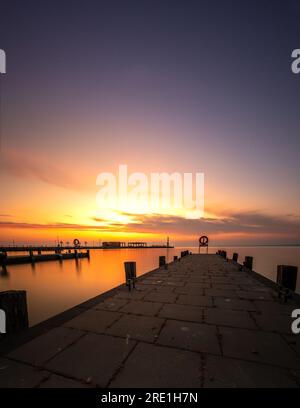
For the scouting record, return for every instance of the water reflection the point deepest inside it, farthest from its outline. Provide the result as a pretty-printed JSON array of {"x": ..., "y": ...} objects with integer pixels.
[{"x": 4, "y": 272}]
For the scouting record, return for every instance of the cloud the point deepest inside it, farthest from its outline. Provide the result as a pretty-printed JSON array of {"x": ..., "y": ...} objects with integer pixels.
[
  {"x": 56, "y": 226},
  {"x": 20, "y": 164},
  {"x": 235, "y": 222},
  {"x": 254, "y": 224}
]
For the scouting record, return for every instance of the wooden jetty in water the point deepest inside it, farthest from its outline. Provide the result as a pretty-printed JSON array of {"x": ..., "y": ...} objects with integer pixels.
[
  {"x": 39, "y": 257},
  {"x": 105, "y": 245},
  {"x": 200, "y": 321}
]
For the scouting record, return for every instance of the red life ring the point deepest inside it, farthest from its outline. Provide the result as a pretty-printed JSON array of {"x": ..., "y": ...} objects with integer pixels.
[
  {"x": 203, "y": 241},
  {"x": 76, "y": 242}
]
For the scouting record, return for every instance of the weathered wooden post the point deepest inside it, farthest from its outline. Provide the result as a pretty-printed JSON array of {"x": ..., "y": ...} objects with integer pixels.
[
  {"x": 175, "y": 258},
  {"x": 287, "y": 276},
  {"x": 3, "y": 258},
  {"x": 32, "y": 258},
  {"x": 248, "y": 262},
  {"x": 162, "y": 261},
  {"x": 235, "y": 257},
  {"x": 76, "y": 253},
  {"x": 130, "y": 274},
  {"x": 88, "y": 253},
  {"x": 14, "y": 305}
]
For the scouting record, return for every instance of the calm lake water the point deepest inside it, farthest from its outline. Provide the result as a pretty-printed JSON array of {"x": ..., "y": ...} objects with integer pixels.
[{"x": 54, "y": 286}]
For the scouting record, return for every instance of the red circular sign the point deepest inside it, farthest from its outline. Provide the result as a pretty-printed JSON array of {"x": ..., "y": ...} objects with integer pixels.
[{"x": 203, "y": 241}]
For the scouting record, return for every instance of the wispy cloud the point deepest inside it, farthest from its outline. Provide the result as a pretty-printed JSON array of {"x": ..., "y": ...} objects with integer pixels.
[
  {"x": 22, "y": 165},
  {"x": 248, "y": 223},
  {"x": 235, "y": 222},
  {"x": 55, "y": 226}
]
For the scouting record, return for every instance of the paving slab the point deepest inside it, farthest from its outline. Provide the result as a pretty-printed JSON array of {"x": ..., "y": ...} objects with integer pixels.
[
  {"x": 131, "y": 295},
  {"x": 294, "y": 341},
  {"x": 278, "y": 323},
  {"x": 163, "y": 297},
  {"x": 190, "y": 336},
  {"x": 57, "y": 381},
  {"x": 274, "y": 308},
  {"x": 182, "y": 312},
  {"x": 42, "y": 348},
  {"x": 93, "y": 320},
  {"x": 232, "y": 318},
  {"x": 140, "y": 307},
  {"x": 163, "y": 289},
  {"x": 221, "y": 293},
  {"x": 112, "y": 303},
  {"x": 234, "y": 304},
  {"x": 255, "y": 295},
  {"x": 94, "y": 358},
  {"x": 155, "y": 366},
  {"x": 17, "y": 375},
  {"x": 195, "y": 300},
  {"x": 224, "y": 373},
  {"x": 191, "y": 290},
  {"x": 258, "y": 346},
  {"x": 144, "y": 328}
]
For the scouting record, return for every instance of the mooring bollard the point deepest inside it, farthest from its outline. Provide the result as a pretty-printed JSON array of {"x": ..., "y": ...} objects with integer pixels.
[
  {"x": 248, "y": 262},
  {"x": 235, "y": 257},
  {"x": 287, "y": 276},
  {"x": 14, "y": 305},
  {"x": 130, "y": 274},
  {"x": 175, "y": 257}
]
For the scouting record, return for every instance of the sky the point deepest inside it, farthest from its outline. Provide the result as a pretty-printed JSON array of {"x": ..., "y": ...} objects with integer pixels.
[{"x": 161, "y": 86}]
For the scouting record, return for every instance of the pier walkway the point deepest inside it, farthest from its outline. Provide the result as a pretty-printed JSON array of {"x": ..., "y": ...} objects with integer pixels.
[{"x": 200, "y": 323}]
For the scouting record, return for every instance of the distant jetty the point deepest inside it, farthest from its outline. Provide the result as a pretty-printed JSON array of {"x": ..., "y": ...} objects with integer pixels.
[
  {"x": 39, "y": 257},
  {"x": 59, "y": 252},
  {"x": 105, "y": 245}
]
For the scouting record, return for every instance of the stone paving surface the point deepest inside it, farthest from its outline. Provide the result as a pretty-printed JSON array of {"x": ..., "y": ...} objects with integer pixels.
[{"x": 199, "y": 323}]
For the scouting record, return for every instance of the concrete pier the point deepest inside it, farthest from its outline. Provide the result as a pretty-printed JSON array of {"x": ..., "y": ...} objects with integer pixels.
[{"x": 200, "y": 323}]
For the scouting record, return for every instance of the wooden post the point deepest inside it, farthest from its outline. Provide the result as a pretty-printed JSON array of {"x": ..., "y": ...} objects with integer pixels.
[
  {"x": 223, "y": 254},
  {"x": 130, "y": 274},
  {"x": 235, "y": 257},
  {"x": 3, "y": 258},
  {"x": 248, "y": 263},
  {"x": 162, "y": 261},
  {"x": 14, "y": 304},
  {"x": 175, "y": 257},
  {"x": 287, "y": 276},
  {"x": 32, "y": 258}
]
